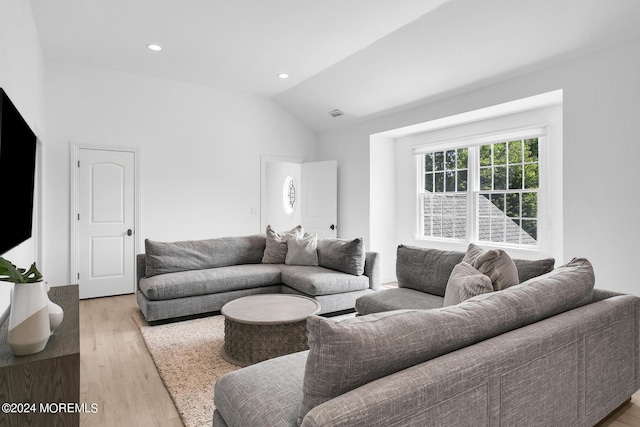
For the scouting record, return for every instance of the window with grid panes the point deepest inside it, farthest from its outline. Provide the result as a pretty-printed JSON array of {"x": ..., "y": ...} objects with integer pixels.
[
  {"x": 482, "y": 193},
  {"x": 444, "y": 199}
]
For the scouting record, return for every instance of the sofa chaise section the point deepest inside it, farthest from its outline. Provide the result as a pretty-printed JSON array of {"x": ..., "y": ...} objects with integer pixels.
[
  {"x": 335, "y": 290},
  {"x": 423, "y": 274}
]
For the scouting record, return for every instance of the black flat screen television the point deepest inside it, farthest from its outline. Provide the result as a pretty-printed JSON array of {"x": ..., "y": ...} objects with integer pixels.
[{"x": 17, "y": 175}]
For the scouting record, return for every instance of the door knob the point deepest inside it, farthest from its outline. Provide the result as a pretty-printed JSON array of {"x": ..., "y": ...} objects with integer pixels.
[
  {"x": 333, "y": 227},
  {"x": 129, "y": 232}
]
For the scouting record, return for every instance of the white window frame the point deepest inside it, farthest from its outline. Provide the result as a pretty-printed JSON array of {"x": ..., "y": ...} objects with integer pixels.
[{"x": 473, "y": 179}]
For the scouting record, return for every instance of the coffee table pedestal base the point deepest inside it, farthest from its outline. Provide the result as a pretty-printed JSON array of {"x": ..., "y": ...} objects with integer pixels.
[{"x": 246, "y": 344}]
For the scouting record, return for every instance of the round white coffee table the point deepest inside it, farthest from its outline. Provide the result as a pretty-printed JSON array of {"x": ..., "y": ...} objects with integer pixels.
[{"x": 261, "y": 327}]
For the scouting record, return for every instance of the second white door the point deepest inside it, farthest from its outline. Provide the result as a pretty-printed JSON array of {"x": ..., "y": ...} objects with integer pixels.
[
  {"x": 320, "y": 198},
  {"x": 301, "y": 193}
]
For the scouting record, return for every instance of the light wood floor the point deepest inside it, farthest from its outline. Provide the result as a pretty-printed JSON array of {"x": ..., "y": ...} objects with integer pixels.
[
  {"x": 116, "y": 370},
  {"x": 627, "y": 416},
  {"x": 118, "y": 374}
]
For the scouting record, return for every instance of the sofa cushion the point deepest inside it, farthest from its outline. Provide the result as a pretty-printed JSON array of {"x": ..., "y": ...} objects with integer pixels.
[
  {"x": 170, "y": 257},
  {"x": 321, "y": 281},
  {"x": 528, "y": 269},
  {"x": 393, "y": 299},
  {"x": 345, "y": 355},
  {"x": 209, "y": 281},
  {"x": 465, "y": 282},
  {"x": 302, "y": 251},
  {"x": 425, "y": 270},
  {"x": 495, "y": 263},
  {"x": 275, "y": 250},
  {"x": 347, "y": 256},
  {"x": 264, "y": 394}
]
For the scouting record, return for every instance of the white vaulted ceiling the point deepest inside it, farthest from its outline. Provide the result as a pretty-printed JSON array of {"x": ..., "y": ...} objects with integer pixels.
[
  {"x": 363, "y": 57},
  {"x": 235, "y": 44}
]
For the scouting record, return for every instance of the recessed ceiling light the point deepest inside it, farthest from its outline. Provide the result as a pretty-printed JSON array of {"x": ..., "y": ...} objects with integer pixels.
[
  {"x": 154, "y": 47},
  {"x": 283, "y": 75}
]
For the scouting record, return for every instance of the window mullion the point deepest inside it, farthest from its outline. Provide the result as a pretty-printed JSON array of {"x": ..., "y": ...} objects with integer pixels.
[
  {"x": 541, "y": 191},
  {"x": 473, "y": 187},
  {"x": 420, "y": 183}
]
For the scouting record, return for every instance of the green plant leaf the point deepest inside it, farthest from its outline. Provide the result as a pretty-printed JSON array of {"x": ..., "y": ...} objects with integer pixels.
[
  {"x": 10, "y": 273},
  {"x": 32, "y": 275}
]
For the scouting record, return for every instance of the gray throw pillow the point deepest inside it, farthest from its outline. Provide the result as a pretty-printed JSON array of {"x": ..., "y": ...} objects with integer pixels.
[
  {"x": 302, "y": 251},
  {"x": 495, "y": 263},
  {"x": 275, "y": 251},
  {"x": 465, "y": 282},
  {"x": 346, "y": 355},
  {"x": 347, "y": 256}
]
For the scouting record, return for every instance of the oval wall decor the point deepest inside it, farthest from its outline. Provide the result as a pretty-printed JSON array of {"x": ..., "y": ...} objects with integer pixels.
[{"x": 289, "y": 195}]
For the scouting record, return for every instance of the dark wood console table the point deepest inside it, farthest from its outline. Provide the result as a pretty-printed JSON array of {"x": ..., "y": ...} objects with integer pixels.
[{"x": 49, "y": 377}]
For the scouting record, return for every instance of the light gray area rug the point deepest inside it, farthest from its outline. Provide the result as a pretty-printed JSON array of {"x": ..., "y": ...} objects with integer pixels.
[{"x": 187, "y": 356}]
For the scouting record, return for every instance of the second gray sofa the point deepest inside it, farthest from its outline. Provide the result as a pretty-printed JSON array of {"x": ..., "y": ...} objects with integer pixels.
[{"x": 423, "y": 275}]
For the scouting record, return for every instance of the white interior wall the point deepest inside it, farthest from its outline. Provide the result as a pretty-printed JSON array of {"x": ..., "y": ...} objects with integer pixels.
[
  {"x": 200, "y": 152},
  {"x": 352, "y": 153},
  {"x": 382, "y": 196},
  {"x": 600, "y": 130},
  {"x": 22, "y": 77}
]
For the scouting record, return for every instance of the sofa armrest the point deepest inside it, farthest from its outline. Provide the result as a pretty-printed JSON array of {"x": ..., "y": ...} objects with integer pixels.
[
  {"x": 372, "y": 269},
  {"x": 602, "y": 294},
  {"x": 141, "y": 268}
]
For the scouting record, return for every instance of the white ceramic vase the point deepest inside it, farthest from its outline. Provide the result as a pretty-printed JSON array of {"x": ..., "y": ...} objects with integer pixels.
[
  {"x": 29, "y": 328},
  {"x": 55, "y": 313}
]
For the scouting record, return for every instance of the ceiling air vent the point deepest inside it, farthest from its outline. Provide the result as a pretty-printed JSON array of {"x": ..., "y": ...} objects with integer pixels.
[{"x": 336, "y": 113}]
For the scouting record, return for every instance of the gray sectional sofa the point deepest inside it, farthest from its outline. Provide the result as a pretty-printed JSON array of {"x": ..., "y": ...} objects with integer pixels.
[
  {"x": 423, "y": 275},
  {"x": 193, "y": 277},
  {"x": 552, "y": 351}
]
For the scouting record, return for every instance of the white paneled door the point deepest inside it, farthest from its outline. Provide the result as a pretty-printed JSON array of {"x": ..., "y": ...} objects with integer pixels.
[
  {"x": 106, "y": 218},
  {"x": 320, "y": 198}
]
